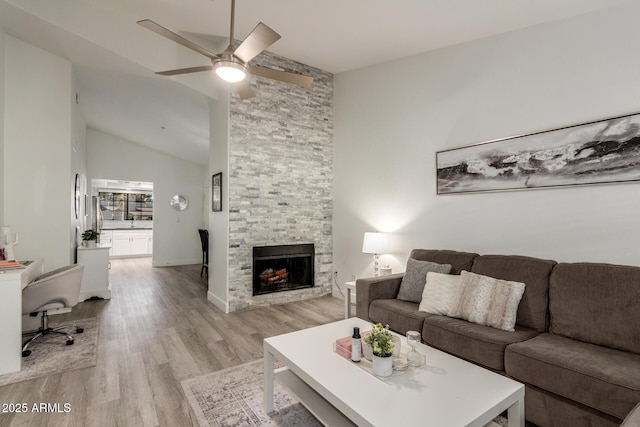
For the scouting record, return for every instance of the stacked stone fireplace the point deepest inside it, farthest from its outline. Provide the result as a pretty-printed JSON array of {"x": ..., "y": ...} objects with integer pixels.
[{"x": 280, "y": 172}]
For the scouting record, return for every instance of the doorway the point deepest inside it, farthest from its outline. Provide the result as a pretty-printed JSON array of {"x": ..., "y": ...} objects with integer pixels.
[{"x": 122, "y": 212}]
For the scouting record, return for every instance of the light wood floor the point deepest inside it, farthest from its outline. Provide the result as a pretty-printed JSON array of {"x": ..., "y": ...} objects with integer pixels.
[{"x": 157, "y": 330}]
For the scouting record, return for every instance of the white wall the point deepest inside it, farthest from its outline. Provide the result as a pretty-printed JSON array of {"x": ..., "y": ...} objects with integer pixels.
[
  {"x": 175, "y": 233},
  {"x": 79, "y": 166},
  {"x": 2, "y": 155},
  {"x": 37, "y": 152},
  {"x": 391, "y": 119},
  {"x": 219, "y": 221}
]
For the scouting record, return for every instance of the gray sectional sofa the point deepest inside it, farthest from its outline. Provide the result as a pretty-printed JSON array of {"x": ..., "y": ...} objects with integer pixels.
[{"x": 576, "y": 344}]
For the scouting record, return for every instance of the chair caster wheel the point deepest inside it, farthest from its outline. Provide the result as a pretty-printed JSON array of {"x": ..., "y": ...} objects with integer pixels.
[
  {"x": 69, "y": 342},
  {"x": 26, "y": 353},
  {"x": 79, "y": 330}
]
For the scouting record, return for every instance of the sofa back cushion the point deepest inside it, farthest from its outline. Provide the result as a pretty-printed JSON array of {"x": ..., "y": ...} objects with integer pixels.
[
  {"x": 459, "y": 261},
  {"x": 533, "y": 310},
  {"x": 596, "y": 303}
]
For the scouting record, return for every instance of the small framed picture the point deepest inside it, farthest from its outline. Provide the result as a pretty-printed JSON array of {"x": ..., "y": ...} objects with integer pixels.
[{"x": 216, "y": 192}]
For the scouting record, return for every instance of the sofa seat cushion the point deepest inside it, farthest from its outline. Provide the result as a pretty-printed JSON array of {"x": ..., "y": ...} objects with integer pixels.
[
  {"x": 477, "y": 343},
  {"x": 599, "y": 377},
  {"x": 401, "y": 316}
]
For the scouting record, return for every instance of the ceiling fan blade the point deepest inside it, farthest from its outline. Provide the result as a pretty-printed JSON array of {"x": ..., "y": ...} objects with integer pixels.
[
  {"x": 186, "y": 70},
  {"x": 164, "y": 32},
  {"x": 244, "y": 89},
  {"x": 258, "y": 40},
  {"x": 283, "y": 76}
]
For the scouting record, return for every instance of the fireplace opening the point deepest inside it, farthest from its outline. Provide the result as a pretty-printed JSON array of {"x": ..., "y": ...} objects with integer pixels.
[{"x": 282, "y": 268}]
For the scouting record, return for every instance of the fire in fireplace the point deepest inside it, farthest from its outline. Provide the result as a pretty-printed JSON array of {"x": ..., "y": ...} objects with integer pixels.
[{"x": 282, "y": 268}]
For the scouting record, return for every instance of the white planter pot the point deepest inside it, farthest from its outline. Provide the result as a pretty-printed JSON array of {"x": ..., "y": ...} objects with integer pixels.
[
  {"x": 382, "y": 366},
  {"x": 367, "y": 351}
]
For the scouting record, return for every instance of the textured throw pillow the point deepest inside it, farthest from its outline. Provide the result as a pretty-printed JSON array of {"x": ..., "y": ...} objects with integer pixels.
[
  {"x": 487, "y": 301},
  {"x": 414, "y": 278},
  {"x": 439, "y": 293}
]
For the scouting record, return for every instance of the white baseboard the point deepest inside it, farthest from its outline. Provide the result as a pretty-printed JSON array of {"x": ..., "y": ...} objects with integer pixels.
[
  {"x": 222, "y": 305},
  {"x": 130, "y": 256}
]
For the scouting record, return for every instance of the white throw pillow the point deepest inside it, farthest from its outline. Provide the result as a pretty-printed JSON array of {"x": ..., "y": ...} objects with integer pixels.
[
  {"x": 487, "y": 301},
  {"x": 439, "y": 293}
]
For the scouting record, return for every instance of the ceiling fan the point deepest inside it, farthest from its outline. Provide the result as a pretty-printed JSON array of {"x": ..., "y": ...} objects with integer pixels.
[{"x": 232, "y": 65}]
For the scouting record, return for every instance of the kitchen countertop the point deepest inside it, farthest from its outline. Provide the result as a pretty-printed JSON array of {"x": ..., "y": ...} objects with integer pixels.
[
  {"x": 96, "y": 246},
  {"x": 127, "y": 228}
]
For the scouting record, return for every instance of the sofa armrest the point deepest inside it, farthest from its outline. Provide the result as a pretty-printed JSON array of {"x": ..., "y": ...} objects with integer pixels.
[
  {"x": 373, "y": 288},
  {"x": 633, "y": 418}
]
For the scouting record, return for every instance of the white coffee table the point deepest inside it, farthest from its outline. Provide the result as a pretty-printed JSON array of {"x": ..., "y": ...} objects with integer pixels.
[{"x": 446, "y": 392}]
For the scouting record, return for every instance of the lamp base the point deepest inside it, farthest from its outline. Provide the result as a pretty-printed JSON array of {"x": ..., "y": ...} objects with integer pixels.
[{"x": 376, "y": 257}]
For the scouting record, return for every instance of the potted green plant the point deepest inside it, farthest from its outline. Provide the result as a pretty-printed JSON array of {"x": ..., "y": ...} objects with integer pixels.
[
  {"x": 382, "y": 345},
  {"x": 89, "y": 237}
]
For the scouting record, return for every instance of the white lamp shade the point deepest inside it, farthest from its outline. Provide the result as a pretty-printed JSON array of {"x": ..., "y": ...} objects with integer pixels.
[{"x": 375, "y": 243}]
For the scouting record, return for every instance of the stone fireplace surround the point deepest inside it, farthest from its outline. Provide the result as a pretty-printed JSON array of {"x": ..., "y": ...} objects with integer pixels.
[{"x": 280, "y": 179}]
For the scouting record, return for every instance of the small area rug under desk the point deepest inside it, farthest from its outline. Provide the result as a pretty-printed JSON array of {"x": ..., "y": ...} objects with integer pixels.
[{"x": 51, "y": 355}]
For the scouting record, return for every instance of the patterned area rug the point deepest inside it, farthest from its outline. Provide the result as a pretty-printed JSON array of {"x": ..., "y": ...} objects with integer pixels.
[
  {"x": 51, "y": 354},
  {"x": 233, "y": 398}
]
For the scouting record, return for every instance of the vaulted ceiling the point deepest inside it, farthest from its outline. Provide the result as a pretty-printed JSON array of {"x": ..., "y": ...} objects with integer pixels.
[{"x": 114, "y": 59}]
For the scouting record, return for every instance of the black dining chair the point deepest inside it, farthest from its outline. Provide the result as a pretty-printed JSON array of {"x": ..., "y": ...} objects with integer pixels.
[{"x": 204, "y": 240}]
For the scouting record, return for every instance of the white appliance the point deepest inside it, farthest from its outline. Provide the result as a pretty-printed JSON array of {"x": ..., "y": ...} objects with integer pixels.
[{"x": 96, "y": 214}]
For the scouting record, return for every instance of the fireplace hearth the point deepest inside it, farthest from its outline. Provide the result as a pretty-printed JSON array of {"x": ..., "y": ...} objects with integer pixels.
[{"x": 282, "y": 268}]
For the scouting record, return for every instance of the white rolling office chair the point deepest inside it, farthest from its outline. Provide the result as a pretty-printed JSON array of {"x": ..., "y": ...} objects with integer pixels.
[{"x": 59, "y": 288}]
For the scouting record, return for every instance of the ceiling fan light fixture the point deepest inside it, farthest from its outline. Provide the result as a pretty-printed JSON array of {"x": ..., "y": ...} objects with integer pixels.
[{"x": 230, "y": 71}]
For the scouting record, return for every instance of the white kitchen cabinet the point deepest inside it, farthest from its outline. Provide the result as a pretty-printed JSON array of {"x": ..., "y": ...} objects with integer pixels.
[
  {"x": 95, "y": 279},
  {"x": 132, "y": 243},
  {"x": 140, "y": 244}
]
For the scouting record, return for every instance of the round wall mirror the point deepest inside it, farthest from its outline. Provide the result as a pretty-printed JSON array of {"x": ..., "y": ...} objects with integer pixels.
[{"x": 179, "y": 202}]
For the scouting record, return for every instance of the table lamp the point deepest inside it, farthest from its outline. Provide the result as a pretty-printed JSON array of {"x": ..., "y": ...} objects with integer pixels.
[{"x": 375, "y": 243}]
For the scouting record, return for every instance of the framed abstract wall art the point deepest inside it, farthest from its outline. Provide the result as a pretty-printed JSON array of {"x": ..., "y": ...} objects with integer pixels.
[{"x": 604, "y": 151}]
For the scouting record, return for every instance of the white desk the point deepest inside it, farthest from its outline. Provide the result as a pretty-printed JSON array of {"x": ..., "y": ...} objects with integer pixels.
[
  {"x": 11, "y": 285},
  {"x": 350, "y": 287}
]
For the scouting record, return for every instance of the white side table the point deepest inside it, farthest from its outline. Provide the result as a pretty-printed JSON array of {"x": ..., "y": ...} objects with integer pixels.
[{"x": 350, "y": 287}]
